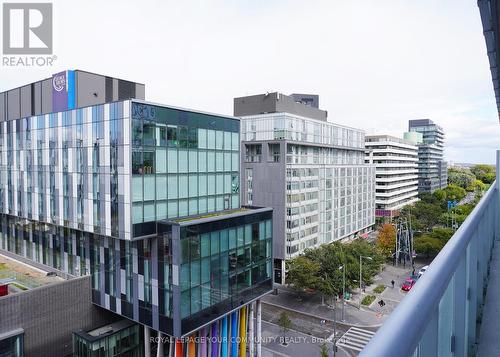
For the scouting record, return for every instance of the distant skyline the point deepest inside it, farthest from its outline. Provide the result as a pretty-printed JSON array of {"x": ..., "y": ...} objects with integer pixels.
[{"x": 375, "y": 65}]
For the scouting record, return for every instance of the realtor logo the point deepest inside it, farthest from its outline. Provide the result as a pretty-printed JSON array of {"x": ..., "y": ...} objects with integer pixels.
[{"x": 27, "y": 28}]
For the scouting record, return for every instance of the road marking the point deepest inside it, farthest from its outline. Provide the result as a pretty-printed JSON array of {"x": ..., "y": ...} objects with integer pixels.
[{"x": 355, "y": 339}]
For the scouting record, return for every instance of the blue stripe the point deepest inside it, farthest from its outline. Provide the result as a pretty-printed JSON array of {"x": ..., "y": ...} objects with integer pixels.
[
  {"x": 234, "y": 334},
  {"x": 71, "y": 90},
  {"x": 224, "y": 337}
]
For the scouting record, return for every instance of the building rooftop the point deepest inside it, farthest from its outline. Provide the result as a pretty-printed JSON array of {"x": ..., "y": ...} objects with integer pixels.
[
  {"x": 203, "y": 218},
  {"x": 21, "y": 276},
  {"x": 303, "y": 105},
  {"x": 378, "y": 138}
]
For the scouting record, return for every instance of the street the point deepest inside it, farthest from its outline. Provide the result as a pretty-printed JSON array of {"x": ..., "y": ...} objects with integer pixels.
[{"x": 312, "y": 322}]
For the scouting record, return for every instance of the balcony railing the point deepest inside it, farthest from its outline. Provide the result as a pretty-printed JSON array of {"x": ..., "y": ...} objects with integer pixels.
[{"x": 441, "y": 313}]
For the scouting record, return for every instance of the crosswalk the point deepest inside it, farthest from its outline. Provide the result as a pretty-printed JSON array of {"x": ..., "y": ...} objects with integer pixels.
[{"x": 355, "y": 339}]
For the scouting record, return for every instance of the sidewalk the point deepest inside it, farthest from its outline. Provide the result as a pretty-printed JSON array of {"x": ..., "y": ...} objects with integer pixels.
[
  {"x": 367, "y": 316},
  {"x": 311, "y": 305}
]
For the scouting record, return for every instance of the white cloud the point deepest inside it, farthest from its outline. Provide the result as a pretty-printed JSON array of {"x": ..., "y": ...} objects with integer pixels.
[{"x": 375, "y": 64}]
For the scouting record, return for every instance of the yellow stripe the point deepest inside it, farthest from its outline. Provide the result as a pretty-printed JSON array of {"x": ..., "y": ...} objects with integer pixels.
[{"x": 243, "y": 331}]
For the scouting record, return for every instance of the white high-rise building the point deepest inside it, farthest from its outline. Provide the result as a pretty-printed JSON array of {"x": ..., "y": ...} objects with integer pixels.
[
  {"x": 396, "y": 174},
  {"x": 311, "y": 171}
]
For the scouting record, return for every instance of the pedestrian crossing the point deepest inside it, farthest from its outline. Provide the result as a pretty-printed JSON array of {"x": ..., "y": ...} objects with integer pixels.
[{"x": 355, "y": 339}]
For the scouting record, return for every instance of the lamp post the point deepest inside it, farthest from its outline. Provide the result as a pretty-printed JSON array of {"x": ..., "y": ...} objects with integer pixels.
[
  {"x": 334, "y": 325},
  {"x": 342, "y": 267},
  {"x": 361, "y": 277}
]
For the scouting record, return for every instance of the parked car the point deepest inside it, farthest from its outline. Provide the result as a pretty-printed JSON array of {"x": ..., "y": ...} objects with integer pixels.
[
  {"x": 422, "y": 271},
  {"x": 408, "y": 284}
]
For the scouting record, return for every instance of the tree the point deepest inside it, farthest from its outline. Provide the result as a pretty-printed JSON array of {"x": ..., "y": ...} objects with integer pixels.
[
  {"x": 323, "y": 351},
  {"x": 460, "y": 177},
  {"x": 454, "y": 193},
  {"x": 485, "y": 173},
  {"x": 386, "y": 240},
  {"x": 302, "y": 273},
  {"x": 286, "y": 324},
  {"x": 476, "y": 185},
  {"x": 427, "y": 214},
  {"x": 427, "y": 245},
  {"x": 442, "y": 234},
  {"x": 428, "y": 198}
]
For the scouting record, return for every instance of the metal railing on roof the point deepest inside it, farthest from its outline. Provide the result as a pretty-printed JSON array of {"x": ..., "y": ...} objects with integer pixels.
[{"x": 438, "y": 316}]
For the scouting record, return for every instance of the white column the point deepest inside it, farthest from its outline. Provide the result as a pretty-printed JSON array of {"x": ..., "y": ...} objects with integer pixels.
[
  {"x": 251, "y": 339},
  {"x": 159, "y": 351},
  {"x": 259, "y": 328},
  {"x": 147, "y": 342},
  {"x": 171, "y": 348}
]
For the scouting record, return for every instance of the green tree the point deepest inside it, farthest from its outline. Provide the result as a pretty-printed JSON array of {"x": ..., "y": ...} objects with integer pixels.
[
  {"x": 460, "y": 177},
  {"x": 427, "y": 214},
  {"x": 485, "y": 173},
  {"x": 476, "y": 185},
  {"x": 323, "y": 352},
  {"x": 386, "y": 240},
  {"x": 427, "y": 197},
  {"x": 454, "y": 193},
  {"x": 427, "y": 245},
  {"x": 302, "y": 273},
  {"x": 442, "y": 234},
  {"x": 329, "y": 257},
  {"x": 285, "y": 324}
]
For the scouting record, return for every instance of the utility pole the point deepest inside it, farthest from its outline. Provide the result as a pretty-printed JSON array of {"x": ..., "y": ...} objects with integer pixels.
[
  {"x": 343, "y": 292},
  {"x": 361, "y": 278},
  {"x": 334, "y": 324},
  {"x": 360, "y": 284}
]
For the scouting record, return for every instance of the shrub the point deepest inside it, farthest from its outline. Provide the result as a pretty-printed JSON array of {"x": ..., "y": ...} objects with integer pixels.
[{"x": 367, "y": 300}]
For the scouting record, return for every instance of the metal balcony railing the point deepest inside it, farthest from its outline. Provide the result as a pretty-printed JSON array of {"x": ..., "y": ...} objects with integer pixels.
[{"x": 441, "y": 313}]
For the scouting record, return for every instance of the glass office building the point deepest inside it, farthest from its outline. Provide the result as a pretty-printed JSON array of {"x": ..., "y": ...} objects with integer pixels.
[
  {"x": 143, "y": 197},
  {"x": 432, "y": 169}
]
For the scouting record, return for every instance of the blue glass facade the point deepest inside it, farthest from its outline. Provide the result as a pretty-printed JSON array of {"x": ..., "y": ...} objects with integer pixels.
[{"x": 143, "y": 197}]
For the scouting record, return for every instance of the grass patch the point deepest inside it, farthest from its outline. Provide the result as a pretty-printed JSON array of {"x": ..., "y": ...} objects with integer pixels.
[
  {"x": 367, "y": 300},
  {"x": 379, "y": 289},
  {"x": 3, "y": 266}
]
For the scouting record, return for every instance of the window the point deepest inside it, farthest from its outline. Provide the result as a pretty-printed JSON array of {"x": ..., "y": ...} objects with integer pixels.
[{"x": 172, "y": 136}]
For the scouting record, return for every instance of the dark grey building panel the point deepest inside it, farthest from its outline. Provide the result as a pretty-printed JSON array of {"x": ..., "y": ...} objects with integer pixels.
[
  {"x": 37, "y": 98},
  {"x": 272, "y": 194},
  {"x": 275, "y": 103},
  {"x": 46, "y": 96},
  {"x": 3, "y": 107},
  {"x": 49, "y": 314},
  {"x": 90, "y": 89},
  {"x": 140, "y": 91},
  {"x": 13, "y": 104},
  {"x": 26, "y": 101}
]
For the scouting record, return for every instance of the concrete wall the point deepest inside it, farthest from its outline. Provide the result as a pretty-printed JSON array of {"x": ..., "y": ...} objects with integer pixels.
[
  {"x": 269, "y": 190},
  {"x": 49, "y": 314}
]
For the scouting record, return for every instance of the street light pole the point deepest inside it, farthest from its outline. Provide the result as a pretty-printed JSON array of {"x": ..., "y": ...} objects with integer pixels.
[
  {"x": 334, "y": 324},
  {"x": 343, "y": 293},
  {"x": 361, "y": 277}
]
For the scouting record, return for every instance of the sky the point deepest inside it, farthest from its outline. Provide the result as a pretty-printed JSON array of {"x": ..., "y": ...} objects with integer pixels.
[{"x": 374, "y": 64}]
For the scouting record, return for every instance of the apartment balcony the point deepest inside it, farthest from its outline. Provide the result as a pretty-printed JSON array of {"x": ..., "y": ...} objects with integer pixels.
[{"x": 454, "y": 309}]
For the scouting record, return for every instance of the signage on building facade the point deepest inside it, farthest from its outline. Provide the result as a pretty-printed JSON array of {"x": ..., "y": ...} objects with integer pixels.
[{"x": 63, "y": 91}]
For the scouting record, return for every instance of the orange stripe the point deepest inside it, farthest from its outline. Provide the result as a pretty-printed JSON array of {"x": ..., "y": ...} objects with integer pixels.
[
  {"x": 178, "y": 348},
  {"x": 192, "y": 347}
]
